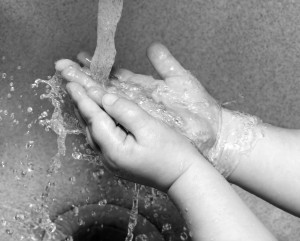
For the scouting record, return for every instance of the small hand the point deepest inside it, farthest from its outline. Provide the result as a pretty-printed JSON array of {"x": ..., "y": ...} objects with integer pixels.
[
  {"x": 179, "y": 99},
  {"x": 136, "y": 146}
]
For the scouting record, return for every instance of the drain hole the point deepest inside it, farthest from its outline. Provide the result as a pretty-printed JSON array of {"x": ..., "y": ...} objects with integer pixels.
[
  {"x": 100, "y": 233},
  {"x": 101, "y": 223}
]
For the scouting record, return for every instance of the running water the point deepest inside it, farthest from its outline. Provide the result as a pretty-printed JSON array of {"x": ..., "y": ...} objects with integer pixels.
[
  {"x": 133, "y": 213},
  {"x": 109, "y": 14}
]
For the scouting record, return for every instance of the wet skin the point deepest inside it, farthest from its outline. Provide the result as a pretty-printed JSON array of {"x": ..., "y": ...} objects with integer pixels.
[
  {"x": 24, "y": 167},
  {"x": 26, "y": 153}
]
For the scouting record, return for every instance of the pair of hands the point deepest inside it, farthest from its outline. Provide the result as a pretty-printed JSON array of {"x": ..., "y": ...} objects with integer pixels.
[{"x": 136, "y": 145}]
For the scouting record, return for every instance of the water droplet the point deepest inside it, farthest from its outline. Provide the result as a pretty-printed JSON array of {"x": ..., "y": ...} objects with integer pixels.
[
  {"x": 12, "y": 89},
  {"x": 19, "y": 67},
  {"x": 3, "y": 75},
  {"x": 76, "y": 155},
  {"x": 166, "y": 227},
  {"x": 184, "y": 236},
  {"x": 9, "y": 231},
  {"x": 3, "y": 164},
  {"x": 5, "y": 112},
  {"x": 29, "y": 109},
  {"x": 29, "y": 144},
  {"x": 43, "y": 115},
  {"x": 72, "y": 180},
  {"x": 102, "y": 202},
  {"x": 30, "y": 166},
  {"x": 98, "y": 174},
  {"x": 141, "y": 237},
  {"x": 51, "y": 227},
  {"x": 3, "y": 222},
  {"x": 75, "y": 211},
  {"x": 34, "y": 85},
  {"x": 9, "y": 95},
  {"x": 19, "y": 217},
  {"x": 81, "y": 222},
  {"x": 69, "y": 238}
]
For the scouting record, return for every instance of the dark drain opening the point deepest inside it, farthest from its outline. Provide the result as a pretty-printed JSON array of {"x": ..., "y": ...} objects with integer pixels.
[
  {"x": 100, "y": 223},
  {"x": 100, "y": 233}
]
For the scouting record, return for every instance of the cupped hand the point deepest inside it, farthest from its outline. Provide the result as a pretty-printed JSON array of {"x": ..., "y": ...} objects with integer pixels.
[
  {"x": 136, "y": 146},
  {"x": 178, "y": 99}
]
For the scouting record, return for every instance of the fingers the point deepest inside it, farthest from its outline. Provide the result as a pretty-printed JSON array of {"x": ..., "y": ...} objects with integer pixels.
[
  {"x": 71, "y": 71},
  {"x": 101, "y": 126},
  {"x": 127, "y": 113},
  {"x": 164, "y": 62},
  {"x": 73, "y": 74},
  {"x": 85, "y": 58}
]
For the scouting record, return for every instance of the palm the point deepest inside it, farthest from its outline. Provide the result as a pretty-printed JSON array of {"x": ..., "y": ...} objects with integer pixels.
[{"x": 179, "y": 101}]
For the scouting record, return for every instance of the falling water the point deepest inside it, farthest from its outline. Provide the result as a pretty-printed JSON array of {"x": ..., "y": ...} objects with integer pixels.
[{"x": 133, "y": 213}]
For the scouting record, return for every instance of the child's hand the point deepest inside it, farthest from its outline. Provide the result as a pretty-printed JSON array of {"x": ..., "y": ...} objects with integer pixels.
[
  {"x": 180, "y": 93},
  {"x": 136, "y": 146}
]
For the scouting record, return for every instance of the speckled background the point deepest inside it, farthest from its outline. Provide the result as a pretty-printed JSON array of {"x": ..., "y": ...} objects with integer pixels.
[{"x": 246, "y": 52}]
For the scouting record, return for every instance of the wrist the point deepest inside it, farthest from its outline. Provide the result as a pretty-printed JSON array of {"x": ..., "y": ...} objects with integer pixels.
[
  {"x": 237, "y": 136},
  {"x": 186, "y": 176}
]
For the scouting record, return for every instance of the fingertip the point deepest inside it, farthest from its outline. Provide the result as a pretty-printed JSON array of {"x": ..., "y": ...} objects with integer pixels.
[
  {"x": 109, "y": 99},
  {"x": 123, "y": 74},
  {"x": 85, "y": 58},
  {"x": 96, "y": 93},
  {"x": 157, "y": 50},
  {"x": 62, "y": 64},
  {"x": 164, "y": 62}
]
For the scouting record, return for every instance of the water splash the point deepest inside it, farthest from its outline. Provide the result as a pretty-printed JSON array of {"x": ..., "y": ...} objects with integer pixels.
[
  {"x": 62, "y": 124},
  {"x": 133, "y": 213}
]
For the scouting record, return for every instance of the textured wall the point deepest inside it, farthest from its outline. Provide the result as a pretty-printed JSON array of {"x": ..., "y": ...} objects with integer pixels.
[{"x": 245, "y": 51}]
